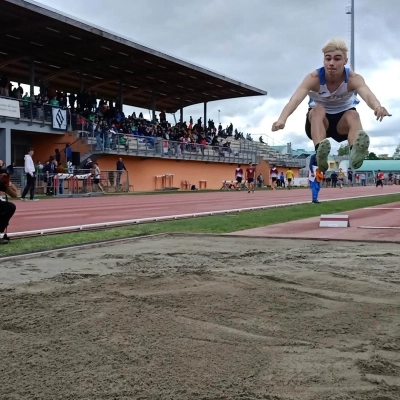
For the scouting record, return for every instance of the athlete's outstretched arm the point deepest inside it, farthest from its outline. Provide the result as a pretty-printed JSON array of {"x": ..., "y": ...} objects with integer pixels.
[
  {"x": 298, "y": 96},
  {"x": 358, "y": 84}
]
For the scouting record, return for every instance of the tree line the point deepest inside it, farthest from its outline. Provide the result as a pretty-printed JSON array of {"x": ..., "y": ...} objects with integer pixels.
[{"x": 344, "y": 150}]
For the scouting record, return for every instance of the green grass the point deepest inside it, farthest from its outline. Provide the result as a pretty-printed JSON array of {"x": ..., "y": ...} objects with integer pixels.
[{"x": 212, "y": 224}]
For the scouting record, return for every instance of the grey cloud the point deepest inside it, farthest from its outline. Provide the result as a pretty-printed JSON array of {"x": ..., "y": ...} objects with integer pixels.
[
  {"x": 271, "y": 45},
  {"x": 268, "y": 44}
]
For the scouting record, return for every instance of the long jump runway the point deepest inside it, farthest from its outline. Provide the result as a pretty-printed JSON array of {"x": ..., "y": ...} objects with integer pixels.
[
  {"x": 380, "y": 223},
  {"x": 65, "y": 212}
]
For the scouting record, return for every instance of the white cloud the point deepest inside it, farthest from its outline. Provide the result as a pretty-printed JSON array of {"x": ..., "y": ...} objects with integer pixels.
[{"x": 271, "y": 45}]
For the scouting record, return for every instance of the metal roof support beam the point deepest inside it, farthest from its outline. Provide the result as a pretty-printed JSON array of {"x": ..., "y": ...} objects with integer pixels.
[
  {"x": 11, "y": 61},
  {"x": 101, "y": 84},
  {"x": 121, "y": 95},
  {"x": 80, "y": 81},
  {"x": 205, "y": 117},
  {"x": 32, "y": 78},
  {"x": 154, "y": 108}
]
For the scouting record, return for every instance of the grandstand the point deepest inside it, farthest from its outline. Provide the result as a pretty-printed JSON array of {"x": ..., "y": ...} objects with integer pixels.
[{"x": 45, "y": 49}]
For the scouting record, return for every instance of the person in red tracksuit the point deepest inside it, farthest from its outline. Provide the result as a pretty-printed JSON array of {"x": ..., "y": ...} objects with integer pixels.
[{"x": 379, "y": 178}]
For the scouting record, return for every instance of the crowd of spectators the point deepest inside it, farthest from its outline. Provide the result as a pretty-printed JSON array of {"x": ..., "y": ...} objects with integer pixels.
[
  {"x": 106, "y": 121},
  {"x": 111, "y": 128}
]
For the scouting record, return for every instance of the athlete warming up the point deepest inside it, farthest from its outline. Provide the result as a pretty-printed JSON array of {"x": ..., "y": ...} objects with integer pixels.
[
  {"x": 250, "y": 174},
  {"x": 333, "y": 90}
]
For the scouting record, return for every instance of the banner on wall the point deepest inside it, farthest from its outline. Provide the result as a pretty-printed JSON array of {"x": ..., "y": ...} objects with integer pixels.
[
  {"x": 9, "y": 108},
  {"x": 59, "y": 118}
]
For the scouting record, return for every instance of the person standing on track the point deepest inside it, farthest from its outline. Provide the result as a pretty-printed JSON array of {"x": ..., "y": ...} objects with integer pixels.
[
  {"x": 333, "y": 91},
  {"x": 30, "y": 177},
  {"x": 341, "y": 178},
  {"x": 274, "y": 176},
  {"x": 97, "y": 176},
  {"x": 314, "y": 177},
  {"x": 238, "y": 177},
  {"x": 379, "y": 178},
  {"x": 7, "y": 208},
  {"x": 250, "y": 174},
  {"x": 289, "y": 177}
]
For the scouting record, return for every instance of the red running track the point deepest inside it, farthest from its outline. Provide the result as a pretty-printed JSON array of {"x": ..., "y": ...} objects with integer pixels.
[{"x": 64, "y": 212}]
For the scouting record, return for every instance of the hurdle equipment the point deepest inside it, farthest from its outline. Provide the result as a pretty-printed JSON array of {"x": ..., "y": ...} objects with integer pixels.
[{"x": 334, "y": 221}]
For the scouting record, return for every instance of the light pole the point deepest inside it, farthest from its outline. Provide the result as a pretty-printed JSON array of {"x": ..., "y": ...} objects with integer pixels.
[
  {"x": 350, "y": 11},
  {"x": 219, "y": 120}
]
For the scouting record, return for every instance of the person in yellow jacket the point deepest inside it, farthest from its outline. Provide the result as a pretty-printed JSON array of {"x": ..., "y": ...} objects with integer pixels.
[
  {"x": 341, "y": 178},
  {"x": 289, "y": 177}
]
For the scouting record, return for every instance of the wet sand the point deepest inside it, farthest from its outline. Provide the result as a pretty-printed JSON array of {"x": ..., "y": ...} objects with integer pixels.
[{"x": 203, "y": 317}]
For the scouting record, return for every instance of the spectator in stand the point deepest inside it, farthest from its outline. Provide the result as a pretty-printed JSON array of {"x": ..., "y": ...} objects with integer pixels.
[
  {"x": 274, "y": 176},
  {"x": 120, "y": 168},
  {"x": 250, "y": 174}
]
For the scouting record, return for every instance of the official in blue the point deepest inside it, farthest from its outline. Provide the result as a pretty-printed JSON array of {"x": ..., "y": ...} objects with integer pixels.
[{"x": 315, "y": 184}]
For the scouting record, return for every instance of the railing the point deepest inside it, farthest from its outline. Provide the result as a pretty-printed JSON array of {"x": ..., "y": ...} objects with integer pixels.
[
  {"x": 80, "y": 181},
  {"x": 151, "y": 146},
  {"x": 30, "y": 112}
]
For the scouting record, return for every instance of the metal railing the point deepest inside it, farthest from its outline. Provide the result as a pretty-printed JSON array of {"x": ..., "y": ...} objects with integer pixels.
[
  {"x": 152, "y": 146},
  {"x": 79, "y": 181},
  {"x": 33, "y": 112}
]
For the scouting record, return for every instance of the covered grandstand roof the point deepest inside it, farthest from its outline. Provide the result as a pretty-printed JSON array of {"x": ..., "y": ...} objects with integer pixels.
[{"x": 63, "y": 47}]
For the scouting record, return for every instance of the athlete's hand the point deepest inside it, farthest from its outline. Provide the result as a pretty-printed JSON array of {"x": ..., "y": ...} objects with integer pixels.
[
  {"x": 278, "y": 125},
  {"x": 381, "y": 112}
]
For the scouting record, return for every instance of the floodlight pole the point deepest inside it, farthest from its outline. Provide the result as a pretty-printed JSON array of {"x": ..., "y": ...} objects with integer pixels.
[
  {"x": 352, "y": 36},
  {"x": 353, "y": 65},
  {"x": 352, "y": 60}
]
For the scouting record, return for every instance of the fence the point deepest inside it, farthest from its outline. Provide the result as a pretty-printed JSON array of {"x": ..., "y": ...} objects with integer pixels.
[
  {"x": 151, "y": 146},
  {"x": 370, "y": 178},
  {"x": 33, "y": 112},
  {"x": 77, "y": 183}
]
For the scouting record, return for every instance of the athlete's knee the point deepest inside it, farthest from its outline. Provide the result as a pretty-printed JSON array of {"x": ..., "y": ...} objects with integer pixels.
[
  {"x": 318, "y": 112},
  {"x": 352, "y": 116}
]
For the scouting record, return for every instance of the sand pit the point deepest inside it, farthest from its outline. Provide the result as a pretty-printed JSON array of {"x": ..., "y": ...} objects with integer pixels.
[{"x": 201, "y": 317}]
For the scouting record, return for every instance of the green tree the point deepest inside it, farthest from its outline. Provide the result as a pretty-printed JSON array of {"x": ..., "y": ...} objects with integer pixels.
[
  {"x": 372, "y": 156},
  {"x": 396, "y": 154},
  {"x": 344, "y": 150}
]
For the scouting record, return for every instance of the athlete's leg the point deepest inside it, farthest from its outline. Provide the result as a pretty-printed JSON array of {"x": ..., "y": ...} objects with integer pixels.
[
  {"x": 319, "y": 125},
  {"x": 350, "y": 124}
]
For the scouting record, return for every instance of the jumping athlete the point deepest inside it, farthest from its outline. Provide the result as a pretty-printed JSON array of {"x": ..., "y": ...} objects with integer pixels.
[{"x": 332, "y": 114}]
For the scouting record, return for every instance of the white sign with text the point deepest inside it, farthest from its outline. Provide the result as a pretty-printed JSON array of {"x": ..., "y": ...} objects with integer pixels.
[{"x": 9, "y": 108}]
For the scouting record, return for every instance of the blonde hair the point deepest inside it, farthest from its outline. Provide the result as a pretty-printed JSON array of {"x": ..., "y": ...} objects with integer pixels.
[{"x": 336, "y": 44}]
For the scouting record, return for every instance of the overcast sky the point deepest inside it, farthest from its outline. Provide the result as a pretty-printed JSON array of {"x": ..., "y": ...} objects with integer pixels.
[{"x": 268, "y": 44}]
